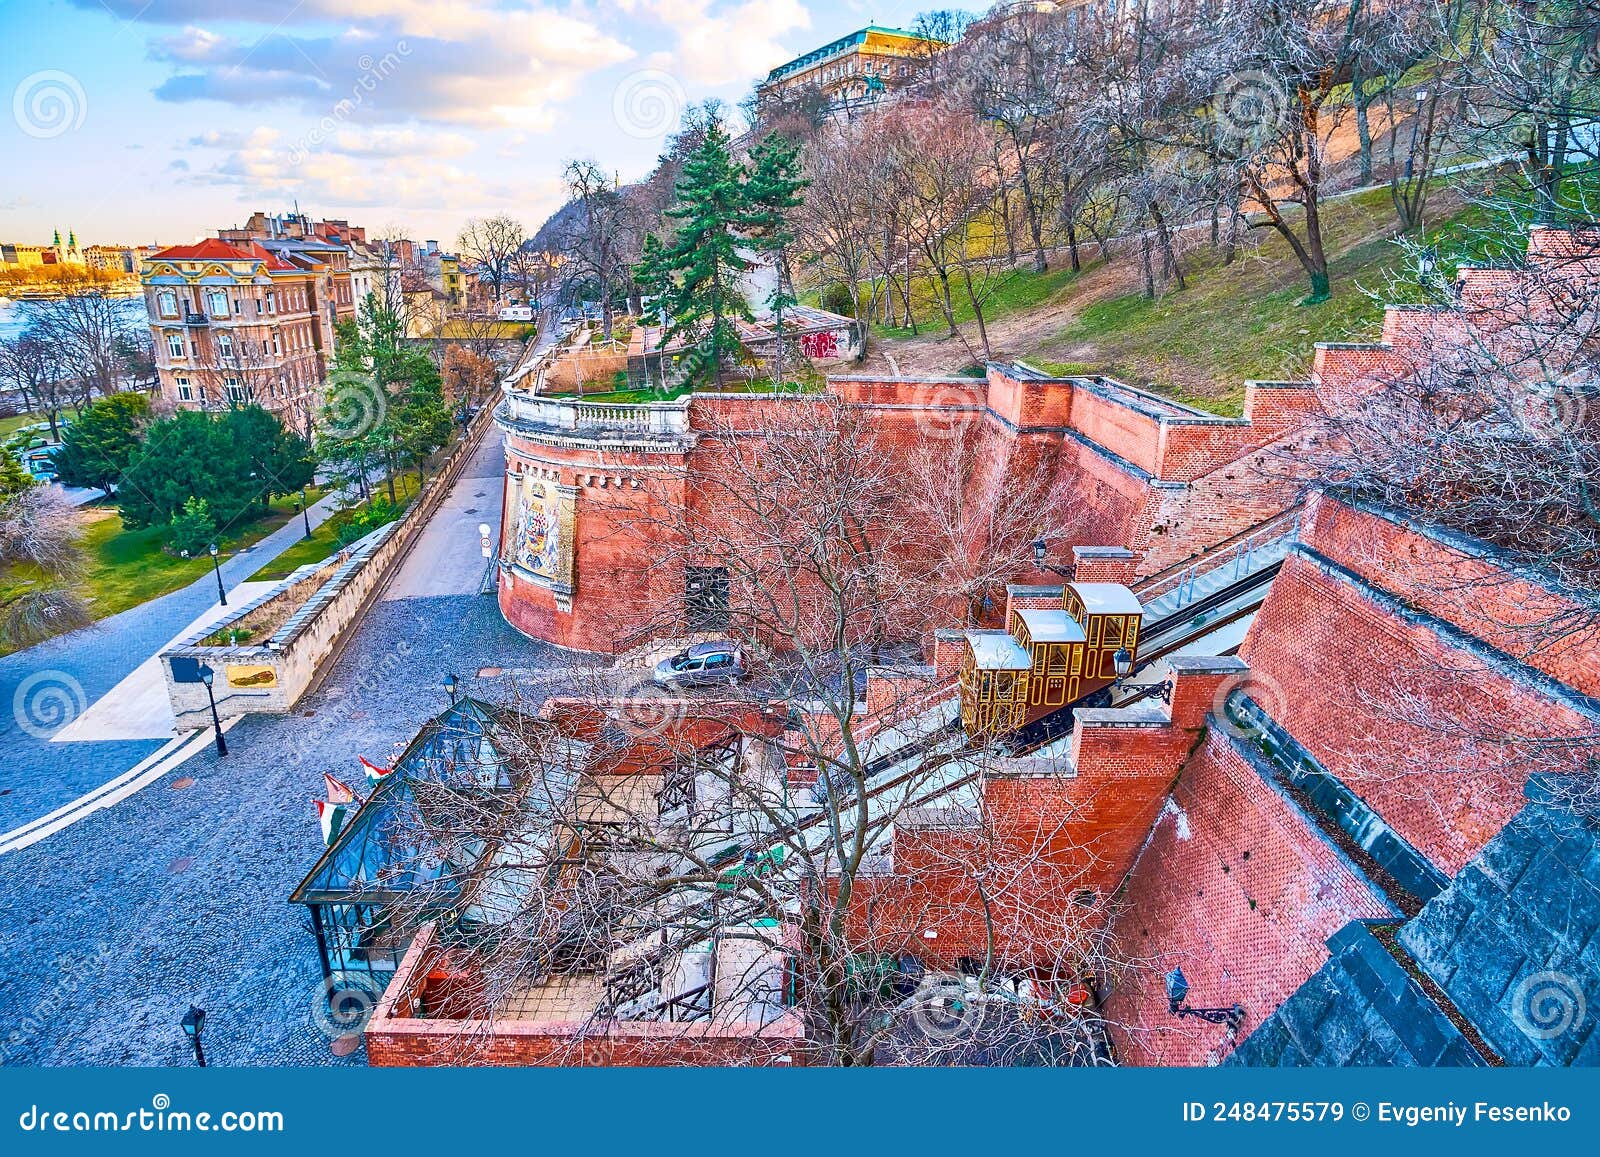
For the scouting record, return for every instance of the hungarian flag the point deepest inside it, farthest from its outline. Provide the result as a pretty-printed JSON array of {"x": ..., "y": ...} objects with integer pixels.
[
  {"x": 375, "y": 774},
  {"x": 338, "y": 790},
  {"x": 331, "y": 816}
]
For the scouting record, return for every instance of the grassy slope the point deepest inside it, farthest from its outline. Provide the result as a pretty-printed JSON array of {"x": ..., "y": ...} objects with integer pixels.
[
  {"x": 324, "y": 540},
  {"x": 123, "y": 568},
  {"x": 1233, "y": 323}
]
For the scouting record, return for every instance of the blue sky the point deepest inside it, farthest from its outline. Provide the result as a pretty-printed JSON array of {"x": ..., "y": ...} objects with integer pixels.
[{"x": 161, "y": 120}]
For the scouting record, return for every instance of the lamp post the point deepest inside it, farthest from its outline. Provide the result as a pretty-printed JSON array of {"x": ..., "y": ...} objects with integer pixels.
[
  {"x": 222, "y": 594},
  {"x": 450, "y": 685},
  {"x": 193, "y": 1021},
  {"x": 1122, "y": 662},
  {"x": 1178, "y": 991},
  {"x": 305, "y": 510},
  {"x": 207, "y": 675},
  {"x": 1039, "y": 563}
]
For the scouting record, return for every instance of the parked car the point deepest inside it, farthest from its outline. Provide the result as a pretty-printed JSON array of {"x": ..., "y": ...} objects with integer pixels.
[{"x": 702, "y": 665}]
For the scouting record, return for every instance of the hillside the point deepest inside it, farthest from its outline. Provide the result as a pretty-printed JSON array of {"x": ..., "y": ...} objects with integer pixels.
[{"x": 1199, "y": 345}]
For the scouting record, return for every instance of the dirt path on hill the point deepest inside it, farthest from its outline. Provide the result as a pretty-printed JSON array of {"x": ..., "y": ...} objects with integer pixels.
[{"x": 1018, "y": 335}]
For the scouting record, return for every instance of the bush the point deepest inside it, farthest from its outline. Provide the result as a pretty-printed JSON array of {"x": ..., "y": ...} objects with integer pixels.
[
  {"x": 835, "y": 298},
  {"x": 192, "y": 530},
  {"x": 349, "y": 525}
]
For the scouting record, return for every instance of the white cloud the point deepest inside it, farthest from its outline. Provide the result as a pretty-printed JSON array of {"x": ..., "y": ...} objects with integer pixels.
[
  {"x": 719, "y": 44},
  {"x": 458, "y": 61}
]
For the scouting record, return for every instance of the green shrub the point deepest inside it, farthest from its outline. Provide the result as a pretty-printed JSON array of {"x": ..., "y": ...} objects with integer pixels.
[
  {"x": 836, "y": 299},
  {"x": 192, "y": 530}
]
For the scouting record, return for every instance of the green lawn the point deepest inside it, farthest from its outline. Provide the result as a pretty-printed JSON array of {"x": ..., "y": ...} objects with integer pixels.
[
  {"x": 739, "y": 386},
  {"x": 1014, "y": 292},
  {"x": 123, "y": 568},
  {"x": 9, "y": 426},
  {"x": 1246, "y": 320},
  {"x": 324, "y": 540}
]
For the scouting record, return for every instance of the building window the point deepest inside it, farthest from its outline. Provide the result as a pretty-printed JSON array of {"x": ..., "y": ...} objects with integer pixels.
[
  {"x": 217, "y": 303},
  {"x": 224, "y": 345},
  {"x": 175, "y": 345},
  {"x": 277, "y": 345},
  {"x": 706, "y": 598},
  {"x": 167, "y": 303},
  {"x": 235, "y": 391},
  {"x": 185, "y": 390},
  {"x": 270, "y": 306}
]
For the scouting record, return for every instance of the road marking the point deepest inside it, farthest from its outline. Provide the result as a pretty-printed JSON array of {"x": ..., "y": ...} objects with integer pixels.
[{"x": 141, "y": 775}]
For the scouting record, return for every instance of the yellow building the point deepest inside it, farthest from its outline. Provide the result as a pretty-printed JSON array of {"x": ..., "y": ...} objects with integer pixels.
[
  {"x": 455, "y": 290},
  {"x": 868, "y": 62}
]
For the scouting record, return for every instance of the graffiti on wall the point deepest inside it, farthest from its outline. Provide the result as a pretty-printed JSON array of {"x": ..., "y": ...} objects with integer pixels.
[{"x": 820, "y": 345}]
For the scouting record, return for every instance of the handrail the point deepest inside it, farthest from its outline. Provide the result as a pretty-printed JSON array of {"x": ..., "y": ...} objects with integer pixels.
[
  {"x": 1286, "y": 517},
  {"x": 1239, "y": 551}
]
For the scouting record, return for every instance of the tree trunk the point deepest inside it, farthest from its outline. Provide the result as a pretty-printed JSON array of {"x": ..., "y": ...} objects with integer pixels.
[{"x": 977, "y": 313}]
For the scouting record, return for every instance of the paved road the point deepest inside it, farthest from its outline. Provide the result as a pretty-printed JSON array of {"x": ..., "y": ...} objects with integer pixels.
[
  {"x": 73, "y": 671},
  {"x": 448, "y": 557},
  {"x": 110, "y": 928}
]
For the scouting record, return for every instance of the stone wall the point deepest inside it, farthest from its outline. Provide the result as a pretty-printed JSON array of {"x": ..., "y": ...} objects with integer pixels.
[
  {"x": 1124, "y": 468},
  {"x": 274, "y": 673}
]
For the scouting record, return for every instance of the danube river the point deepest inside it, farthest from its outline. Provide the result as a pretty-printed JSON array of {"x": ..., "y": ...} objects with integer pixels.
[{"x": 14, "y": 314}]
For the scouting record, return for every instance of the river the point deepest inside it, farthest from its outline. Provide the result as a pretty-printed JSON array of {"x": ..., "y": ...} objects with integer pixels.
[{"x": 14, "y": 314}]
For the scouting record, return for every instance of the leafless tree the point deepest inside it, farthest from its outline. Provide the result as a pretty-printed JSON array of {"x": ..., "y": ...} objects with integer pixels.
[
  {"x": 492, "y": 243},
  {"x": 674, "y": 858},
  {"x": 597, "y": 240},
  {"x": 1529, "y": 74},
  {"x": 39, "y": 534},
  {"x": 32, "y": 366},
  {"x": 87, "y": 327}
]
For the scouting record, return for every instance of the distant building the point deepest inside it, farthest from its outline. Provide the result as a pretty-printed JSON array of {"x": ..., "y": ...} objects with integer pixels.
[
  {"x": 249, "y": 318},
  {"x": 22, "y": 256},
  {"x": 122, "y": 260},
  {"x": 869, "y": 62}
]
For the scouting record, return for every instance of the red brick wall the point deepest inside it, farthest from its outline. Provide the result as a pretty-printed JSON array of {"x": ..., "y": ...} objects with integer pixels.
[
  {"x": 1014, "y": 427},
  {"x": 1237, "y": 889},
  {"x": 1409, "y": 721}
]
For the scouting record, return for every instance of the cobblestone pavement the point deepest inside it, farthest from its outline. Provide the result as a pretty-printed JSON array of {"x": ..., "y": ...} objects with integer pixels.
[
  {"x": 74, "y": 670},
  {"x": 110, "y": 928}
]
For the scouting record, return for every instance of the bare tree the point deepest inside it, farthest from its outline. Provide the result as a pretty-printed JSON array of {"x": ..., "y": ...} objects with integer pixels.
[
  {"x": 596, "y": 241},
  {"x": 32, "y": 365},
  {"x": 674, "y": 859},
  {"x": 39, "y": 533},
  {"x": 88, "y": 329},
  {"x": 492, "y": 244}
]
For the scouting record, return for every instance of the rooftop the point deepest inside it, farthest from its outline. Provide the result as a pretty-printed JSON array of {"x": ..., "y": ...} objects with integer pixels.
[
  {"x": 1051, "y": 626},
  {"x": 998, "y": 651}
]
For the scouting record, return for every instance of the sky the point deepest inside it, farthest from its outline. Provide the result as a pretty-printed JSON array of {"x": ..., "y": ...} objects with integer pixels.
[{"x": 138, "y": 121}]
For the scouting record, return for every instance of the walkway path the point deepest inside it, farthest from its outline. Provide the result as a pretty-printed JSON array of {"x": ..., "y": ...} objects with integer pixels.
[
  {"x": 176, "y": 893},
  {"x": 45, "y": 688}
]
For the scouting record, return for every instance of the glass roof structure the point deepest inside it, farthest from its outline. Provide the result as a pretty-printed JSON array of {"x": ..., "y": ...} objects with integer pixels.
[{"x": 375, "y": 858}]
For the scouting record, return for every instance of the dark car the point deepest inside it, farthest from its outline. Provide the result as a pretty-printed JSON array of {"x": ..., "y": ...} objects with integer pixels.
[{"x": 702, "y": 665}]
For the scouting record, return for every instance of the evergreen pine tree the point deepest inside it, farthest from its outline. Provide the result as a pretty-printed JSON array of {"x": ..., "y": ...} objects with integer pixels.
[
  {"x": 697, "y": 274},
  {"x": 771, "y": 194}
]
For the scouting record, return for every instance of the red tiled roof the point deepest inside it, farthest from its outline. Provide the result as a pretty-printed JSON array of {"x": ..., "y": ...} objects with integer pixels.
[{"x": 211, "y": 249}]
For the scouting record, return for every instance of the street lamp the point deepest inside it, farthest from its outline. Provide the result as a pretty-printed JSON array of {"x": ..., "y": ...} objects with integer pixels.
[
  {"x": 450, "y": 685},
  {"x": 206, "y": 677},
  {"x": 305, "y": 510},
  {"x": 1039, "y": 547},
  {"x": 1178, "y": 991},
  {"x": 222, "y": 595},
  {"x": 193, "y": 1021},
  {"x": 1122, "y": 661}
]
